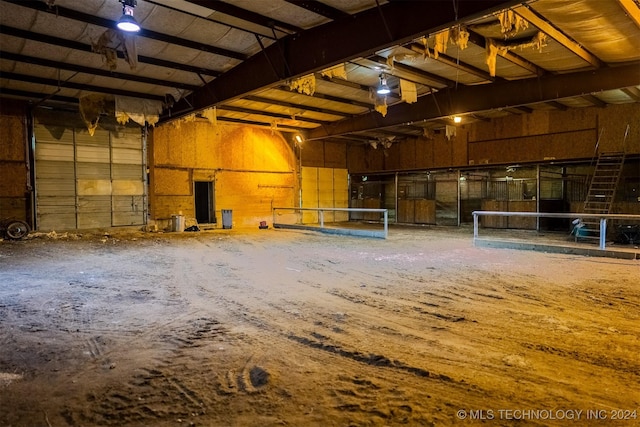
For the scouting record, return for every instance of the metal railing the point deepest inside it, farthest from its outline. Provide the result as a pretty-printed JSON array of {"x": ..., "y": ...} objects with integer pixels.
[
  {"x": 321, "y": 222},
  {"x": 573, "y": 215}
]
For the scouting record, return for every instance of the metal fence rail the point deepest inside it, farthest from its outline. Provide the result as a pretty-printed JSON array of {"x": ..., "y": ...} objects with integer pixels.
[
  {"x": 335, "y": 230},
  {"x": 573, "y": 215}
]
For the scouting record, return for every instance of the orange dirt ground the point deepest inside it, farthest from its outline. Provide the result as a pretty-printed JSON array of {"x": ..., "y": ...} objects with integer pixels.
[{"x": 272, "y": 327}]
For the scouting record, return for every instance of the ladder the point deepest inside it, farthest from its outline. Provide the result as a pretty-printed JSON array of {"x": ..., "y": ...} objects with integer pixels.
[{"x": 602, "y": 190}]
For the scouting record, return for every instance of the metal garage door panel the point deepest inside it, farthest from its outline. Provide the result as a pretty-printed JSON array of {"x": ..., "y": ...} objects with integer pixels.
[
  {"x": 93, "y": 171},
  {"x": 94, "y": 211},
  {"x": 127, "y": 188},
  {"x": 99, "y": 138},
  {"x": 55, "y": 179},
  {"x": 128, "y": 210},
  {"x": 92, "y": 154},
  {"x": 127, "y": 156},
  {"x": 94, "y": 187},
  {"x": 43, "y": 135},
  {"x": 127, "y": 172},
  {"x": 56, "y": 212},
  {"x": 129, "y": 138},
  {"x": 54, "y": 152}
]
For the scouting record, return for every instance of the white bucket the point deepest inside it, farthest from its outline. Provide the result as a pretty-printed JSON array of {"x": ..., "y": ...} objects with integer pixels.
[{"x": 177, "y": 223}]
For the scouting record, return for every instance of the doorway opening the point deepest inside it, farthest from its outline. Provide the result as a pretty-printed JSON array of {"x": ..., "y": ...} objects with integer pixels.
[{"x": 204, "y": 201}]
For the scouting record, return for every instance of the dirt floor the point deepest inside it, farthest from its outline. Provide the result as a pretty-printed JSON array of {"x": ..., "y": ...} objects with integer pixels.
[{"x": 273, "y": 327}]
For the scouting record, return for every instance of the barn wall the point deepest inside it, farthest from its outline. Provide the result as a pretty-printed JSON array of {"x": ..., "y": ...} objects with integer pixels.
[
  {"x": 251, "y": 169},
  {"x": 14, "y": 170},
  {"x": 536, "y": 137}
]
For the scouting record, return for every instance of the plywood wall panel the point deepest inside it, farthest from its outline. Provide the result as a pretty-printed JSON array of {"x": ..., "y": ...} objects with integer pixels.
[
  {"x": 335, "y": 155},
  {"x": 13, "y": 138},
  {"x": 171, "y": 182}
]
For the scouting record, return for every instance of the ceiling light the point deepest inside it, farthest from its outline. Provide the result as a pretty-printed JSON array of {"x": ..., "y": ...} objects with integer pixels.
[
  {"x": 457, "y": 119},
  {"x": 298, "y": 138},
  {"x": 383, "y": 89},
  {"x": 127, "y": 22}
]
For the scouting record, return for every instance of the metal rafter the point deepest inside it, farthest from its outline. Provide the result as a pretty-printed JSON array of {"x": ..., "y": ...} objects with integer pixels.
[
  {"x": 633, "y": 93},
  {"x": 324, "y": 46},
  {"x": 332, "y": 98},
  {"x": 480, "y": 41},
  {"x": 320, "y": 9},
  {"x": 270, "y": 114},
  {"x": 246, "y": 15},
  {"x": 70, "y": 44},
  {"x": 108, "y": 23},
  {"x": 296, "y": 106},
  {"x": 633, "y": 10},
  {"x": 476, "y": 98},
  {"x": 418, "y": 74},
  {"x": 78, "y": 86},
  {"x": 453, "y": 62},
  {"x": 546, "y": 27},
  {"x": 94, "y": 71}
]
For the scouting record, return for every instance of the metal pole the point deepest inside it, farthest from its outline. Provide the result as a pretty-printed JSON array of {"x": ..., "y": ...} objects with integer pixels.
[
  {"x": 386, "y": 223},
  {"x": 538, "y": 197},
  {"x": 321, "y": 212},
  {"x": 475, "y": 226},
  {"x": 603, "y": 233}
]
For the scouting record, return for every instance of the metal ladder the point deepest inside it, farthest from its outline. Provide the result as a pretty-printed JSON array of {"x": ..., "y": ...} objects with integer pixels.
[{"x": 602, "y": 190}]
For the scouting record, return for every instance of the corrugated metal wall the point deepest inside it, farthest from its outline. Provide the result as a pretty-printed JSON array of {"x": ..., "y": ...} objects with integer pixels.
[{"x": 85, "y": 181}]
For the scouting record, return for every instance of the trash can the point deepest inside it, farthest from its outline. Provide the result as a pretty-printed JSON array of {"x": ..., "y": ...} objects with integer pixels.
[
  {"x": 177, "y": 223},
  {"x": 227, "y": 218}
]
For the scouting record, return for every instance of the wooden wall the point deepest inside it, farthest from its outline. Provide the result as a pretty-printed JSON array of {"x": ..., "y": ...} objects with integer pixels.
[
  {"x": 251, "y": 170},
  {"x": 535, "y": 137},
  {"x": 15, "y": 183}
]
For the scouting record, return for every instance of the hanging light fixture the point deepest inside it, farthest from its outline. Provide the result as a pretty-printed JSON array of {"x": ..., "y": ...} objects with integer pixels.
[
  {"x": 127, "y": 22},
  {"x": 383, "y": 89}
]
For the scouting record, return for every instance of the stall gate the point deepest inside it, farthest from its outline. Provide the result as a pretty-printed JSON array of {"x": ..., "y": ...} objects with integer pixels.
[{"x": 85, "y": 181}]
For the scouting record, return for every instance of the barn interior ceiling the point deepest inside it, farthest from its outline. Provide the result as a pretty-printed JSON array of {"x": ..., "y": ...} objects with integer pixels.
[{"x": 313, "y": 67}]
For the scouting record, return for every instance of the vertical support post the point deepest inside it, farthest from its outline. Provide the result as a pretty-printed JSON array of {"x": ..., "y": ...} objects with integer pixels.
[
  {"x": 459, "y": 195},
  {"x": 475, "y": 226},
  {"x": 603, "y": 233},
  {"x": 396, "y": 197},
  {"x": 321, "y": 213},
  {"x": 274, "y": 216},
  {"x": 538, "y": 198},
  {"x": 386, "y": 223}
]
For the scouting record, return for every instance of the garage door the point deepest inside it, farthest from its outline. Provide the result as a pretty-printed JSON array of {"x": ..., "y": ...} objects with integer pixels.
[{"x": 85, "y": 181}]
